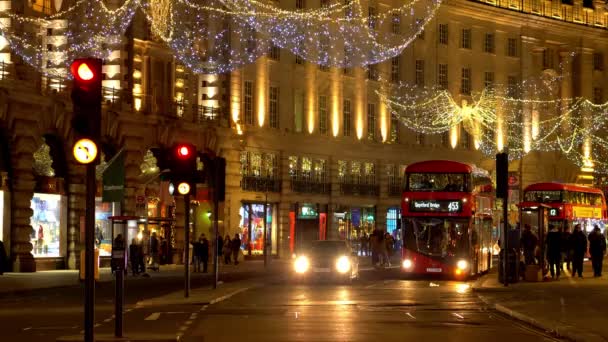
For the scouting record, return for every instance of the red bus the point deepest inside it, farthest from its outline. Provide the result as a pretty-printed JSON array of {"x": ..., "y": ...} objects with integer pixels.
[
  {"x": 447, "y": 219},
  {"x": 569, "y": 204}
]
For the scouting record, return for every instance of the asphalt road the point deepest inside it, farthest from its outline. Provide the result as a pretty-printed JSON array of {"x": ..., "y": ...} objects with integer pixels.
[{"x": 379, "y": 307}]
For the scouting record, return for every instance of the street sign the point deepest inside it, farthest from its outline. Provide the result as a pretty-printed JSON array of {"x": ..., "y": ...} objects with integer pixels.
[{"x": 85, "y": 151}]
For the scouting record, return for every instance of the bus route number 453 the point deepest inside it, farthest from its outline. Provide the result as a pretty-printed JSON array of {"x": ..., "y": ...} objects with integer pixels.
[{"x": 453, "y": 206}]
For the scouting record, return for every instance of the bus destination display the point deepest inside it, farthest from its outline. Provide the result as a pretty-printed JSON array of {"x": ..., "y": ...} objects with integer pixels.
[{"x": 443, "y": 206}]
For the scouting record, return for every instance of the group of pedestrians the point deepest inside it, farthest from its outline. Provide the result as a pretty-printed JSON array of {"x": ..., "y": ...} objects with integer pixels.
[
  {"x": 563, "y": 246},
  {"x": 226, "y": 248},
  {"x": 382, "y": 247}
]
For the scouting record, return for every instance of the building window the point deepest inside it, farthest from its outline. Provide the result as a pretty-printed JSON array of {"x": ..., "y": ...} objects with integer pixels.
[
  {"x": 489, "y": 43},
  {"x": 372, "y": 72},
  {"x": 394, "y": 137},
  {"x": 465, "y": 42},
  {"x": 324, "y": 3},
  {"x": 369, "y": 170},
  {"x": 273, "y": 107},
  {"x": 488, "y": 79},
  {"x": 442, "y": 76},
  {"x": 598, "y": 61},
  {"x": 512, "y": 87},
  {"x": 324, "y": 53},
  {"x": 396, "y": 23},
  {"x": 300, "y": 4},
  {"x": 443, "y": 34},
  {"x": 395, "y": 69},
  {"x": 248, "y": 108},
  {"x": 371, "y": 121},
  {"x": 371, "y": 17},
  {"x": 598, "y": 96},
  {"x": 274, "y": 52},
  {"x": 465, "y": 81},
  {"x": 512, "y": 47},
  {"x": 299, "y": 60},
  {"x": 420, "y": 138},
  {"x": 347, "y": 119},
  {"x": 419, "y": 77},
  {"x": 419, "y": 28},
  {"x": 323, "y": 114},
  {"x": 547, "y": 59}
]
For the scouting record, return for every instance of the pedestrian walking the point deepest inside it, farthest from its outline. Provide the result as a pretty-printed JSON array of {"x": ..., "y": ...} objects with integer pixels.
[
  {"x": 3, "y": 258},
  {"x": 364, "y": 241},
  {"x": 227, "y": 249},
  {"x": 578, "y": 248},
  {"x": 373, "y": 241},
  {"x": 220, "y": 245},
  {"x": 566, "y": 254},
  {"x": 141, "y": 257},
  {"x": 154, "y": 246},
  {"x": 197, "y": 253},
  {"x": 529, "y": 241},
  {"x": 134, "y": 257},
  {"x": 597, "y": 248},
  {"x": 554, "y": 251},
  {"x": 236, "y": 247},
  {"x": 204, "y": 252},
  {"x": 390, "y": 247}
]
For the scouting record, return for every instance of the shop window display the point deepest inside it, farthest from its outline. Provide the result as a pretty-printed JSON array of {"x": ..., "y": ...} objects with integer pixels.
[
  {"x": 103, "y": 226},
  {"x": 252, "y": 228},
  {"x": 46, "y": 224}
]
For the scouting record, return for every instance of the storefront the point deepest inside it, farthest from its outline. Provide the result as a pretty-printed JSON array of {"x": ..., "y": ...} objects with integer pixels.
[
  {"x": 393, "y": 225},
  {"x": 103, "y": 226},
  {"x": 251, "y": 228},
  {"x": 308, "y": 222},
  {"x": 49, "y": 233},
  {"x": 350, "y": 223}
]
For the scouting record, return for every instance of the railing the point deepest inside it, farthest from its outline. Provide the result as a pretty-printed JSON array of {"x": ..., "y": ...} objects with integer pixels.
[
  {"x": 310, "y": 186},
  {"x": 359, "y": 189},
  {"x": 260, "y": 184},
  {"x": 394, "y": 188}
]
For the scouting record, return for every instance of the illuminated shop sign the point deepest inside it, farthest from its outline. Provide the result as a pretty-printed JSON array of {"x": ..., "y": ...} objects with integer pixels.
[
  {"x": 553, "y": 212},
  {"x": 308, "y": 211},
  {"x": 449, "y": 206}
]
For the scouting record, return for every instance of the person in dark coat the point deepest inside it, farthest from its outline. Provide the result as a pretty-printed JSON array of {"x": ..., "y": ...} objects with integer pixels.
[
  {"x": 204, "y": 252},
  {"x": 197, "y": 254},
  {"x": 597, "y": 248},
  {"x": 566, "y": 255},
  {"x": 578, "y": 247},
  {"x": 134, "y": 257},
  {"x": 220, "y": 245},
  {"x": 236, "y": 247},
  {"x": 529, "y": 241},
  {"x": 154, "y": 249},
  {"x": 554, "y": 251},
  {"x": 3, "y": 258}
]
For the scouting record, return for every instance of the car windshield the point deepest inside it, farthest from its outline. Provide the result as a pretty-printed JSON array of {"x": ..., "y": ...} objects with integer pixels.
[
  {"x": 329, "y": 248},
  {"x": 438, "y": 182},
  {"x": 439, "y": 237}
]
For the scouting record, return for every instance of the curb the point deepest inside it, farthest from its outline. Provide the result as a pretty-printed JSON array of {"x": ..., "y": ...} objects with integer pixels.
[
  {"x": 110, "y": 338},
  {"x": 555, "y": 329}
]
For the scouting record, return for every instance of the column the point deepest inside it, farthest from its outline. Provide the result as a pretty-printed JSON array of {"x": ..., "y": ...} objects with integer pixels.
[
  {"x": 336, "y": 101},
  {"x": 586, "y": 89},
  {"x": 261, "y": 90},
  {"x": 310, "y": 102},
  {"x": 566, "y": 60},
  {"x": 236, "y": 89},
  {"x": 527, "y": 73},
  {"x": 360, "y": 102},
  {"x": 133, "y": 159},
  {"x": 23, "y": 183},
  {"x": 383, "y": 113}
]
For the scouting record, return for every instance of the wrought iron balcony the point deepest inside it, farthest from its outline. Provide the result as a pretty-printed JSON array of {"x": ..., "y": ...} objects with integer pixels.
[
  {"x": 260, "y": 184},
  {"x": 310, "y": 186},
  {"x": 394, "y": 188},
  {"x": 359, "y": 189}
]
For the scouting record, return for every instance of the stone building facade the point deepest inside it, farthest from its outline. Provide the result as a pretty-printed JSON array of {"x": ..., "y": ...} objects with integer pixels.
[{"x": 315, "y": 144}]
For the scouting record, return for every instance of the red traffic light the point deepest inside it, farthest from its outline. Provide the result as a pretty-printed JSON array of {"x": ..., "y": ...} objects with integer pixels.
[
  {"x": 183, "y": 151},
  {"x": 83, "y": 69}
]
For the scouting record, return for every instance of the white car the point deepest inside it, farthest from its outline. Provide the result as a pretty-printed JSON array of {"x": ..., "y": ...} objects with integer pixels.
[{"x": 327, "y": 260}]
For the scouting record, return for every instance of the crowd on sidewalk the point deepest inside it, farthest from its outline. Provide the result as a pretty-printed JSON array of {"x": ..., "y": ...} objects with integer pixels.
[
  {"x": 561, "y": 247},
  {"x": 380, "y": 246}
]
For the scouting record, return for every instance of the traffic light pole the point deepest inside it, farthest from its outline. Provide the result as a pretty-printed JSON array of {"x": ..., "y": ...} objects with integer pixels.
[
  {"x": 505, "y": 222},
  {"x": 187, "y": 246},
  {"x": 89, "y": 256},
  {"x": 216, "y": 261}
]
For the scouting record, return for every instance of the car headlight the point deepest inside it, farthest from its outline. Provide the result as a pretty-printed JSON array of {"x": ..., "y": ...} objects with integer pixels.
[
  {"x": 343, "y": 264},
  {"x": 301, "y": 265},
  {"x": 407, "y": 263},
  {"x": 462, "y": 264}
]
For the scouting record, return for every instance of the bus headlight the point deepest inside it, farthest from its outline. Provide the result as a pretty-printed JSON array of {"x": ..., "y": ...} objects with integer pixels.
[
  {"x": 462, "y": 264},
  {"x": 301, "y": 265},
  {"x": 407, "y": 263},
  {"x": 343, "y": 264}
]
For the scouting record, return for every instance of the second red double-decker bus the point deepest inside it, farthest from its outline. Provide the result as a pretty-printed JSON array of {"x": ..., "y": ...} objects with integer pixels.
[
  {"x": 569, "y": 204},
  {"x": 447, "y": 219}
]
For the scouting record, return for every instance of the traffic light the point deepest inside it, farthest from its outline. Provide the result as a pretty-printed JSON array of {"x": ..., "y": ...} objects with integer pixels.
[
  {"x": 183, "y": 168},
  {"x": 502, "y": 174},
  {"x": 86, "y": 97}
]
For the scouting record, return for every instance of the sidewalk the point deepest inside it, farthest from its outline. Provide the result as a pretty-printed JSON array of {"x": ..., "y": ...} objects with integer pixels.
[
  {"x": 16, "y": 282},
  {"x": 571, "y": 308}
]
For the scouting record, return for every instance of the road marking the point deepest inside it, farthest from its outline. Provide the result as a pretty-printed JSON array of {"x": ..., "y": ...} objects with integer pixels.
[
  {"x": 107, "y": 320},
  {"x": 458, "y": 315},
  {"x": 183, "y": 328},
  {"x": 222, "y": 298},
  {"x": 153, "y": 317},
  {"x": 410, "y": 315},
  {"x": 50, "y": 328},
  {"x": 97, "y": 325},
  {"x": 193, "y": 315}
]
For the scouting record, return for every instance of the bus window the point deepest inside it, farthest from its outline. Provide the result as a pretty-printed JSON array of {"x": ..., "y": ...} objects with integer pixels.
[
  {"x": 543, "y": 196},
  {"x": 438, "y": 182}
]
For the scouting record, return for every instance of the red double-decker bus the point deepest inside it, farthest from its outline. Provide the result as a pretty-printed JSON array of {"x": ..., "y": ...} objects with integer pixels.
[
  {"x": 569, "y": 204},
  {"x": 447, "y": 219}
]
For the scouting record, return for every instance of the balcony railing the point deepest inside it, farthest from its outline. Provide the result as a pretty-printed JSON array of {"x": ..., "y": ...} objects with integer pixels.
[
  {"x": 395, "y": 189},
  {"x": 260, "y": 184},
  {"x": 310, "y": 186},
  {"x": 359, "y": 189}
]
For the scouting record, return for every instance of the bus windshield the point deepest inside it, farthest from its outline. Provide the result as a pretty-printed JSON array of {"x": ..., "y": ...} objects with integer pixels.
[
  {"x": 438, "y": 182},
  {"x": 440, "y": 237},
  {"x": 544, "y": 196}
]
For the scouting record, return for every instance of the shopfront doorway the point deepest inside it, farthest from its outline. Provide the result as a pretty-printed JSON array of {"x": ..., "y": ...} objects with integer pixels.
[{"x": 251, "y": 228}]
